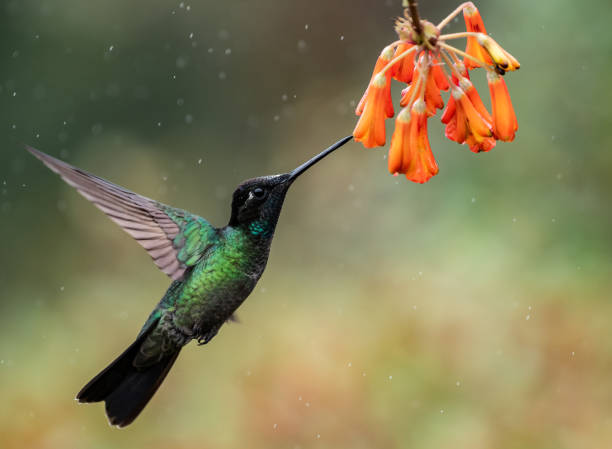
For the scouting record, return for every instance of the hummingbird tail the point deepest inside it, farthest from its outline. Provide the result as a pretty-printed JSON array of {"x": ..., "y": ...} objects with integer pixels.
[{"x": 124, "y": 388}]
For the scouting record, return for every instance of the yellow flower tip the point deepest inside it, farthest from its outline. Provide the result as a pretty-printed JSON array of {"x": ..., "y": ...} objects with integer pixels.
[
  {"x": 379, "y": 81},
  {"x": 387, "y": 53},
  {"x": 419, "y": 106},
  {"x": 404, "y": 115},
  {"x": 457, "y": 93},
  {"x": 460, "y": 67},
  {"x": 465, "y": 84},
  {"x": 500, "y": 57},
  {"x": 470, "y": 10}
]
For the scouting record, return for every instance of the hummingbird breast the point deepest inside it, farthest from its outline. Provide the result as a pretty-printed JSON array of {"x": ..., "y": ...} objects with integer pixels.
[{"x": 219, "y": 283}]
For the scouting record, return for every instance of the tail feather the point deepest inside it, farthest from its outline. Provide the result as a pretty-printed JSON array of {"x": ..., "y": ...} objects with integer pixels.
[
  {"x": 125, "y": 388},
  {"x": 126, "y": 402}
]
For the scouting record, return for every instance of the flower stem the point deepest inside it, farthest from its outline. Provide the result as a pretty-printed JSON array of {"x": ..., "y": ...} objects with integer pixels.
[
  {"x": 446, "y": 37},
  {"x": 451, "y": 66},
  {"x": 465, "y": 55},
  {"x": 452, "y": 15},
  {"x": 414, "y": 16}
]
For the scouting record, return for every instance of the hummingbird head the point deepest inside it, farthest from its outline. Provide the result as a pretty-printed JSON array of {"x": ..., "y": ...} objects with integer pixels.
[{"x": 257, "y": 202}]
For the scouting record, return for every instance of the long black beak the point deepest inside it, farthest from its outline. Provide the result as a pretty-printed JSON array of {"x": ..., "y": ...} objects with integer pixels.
[{"x": 306, "y": 165}]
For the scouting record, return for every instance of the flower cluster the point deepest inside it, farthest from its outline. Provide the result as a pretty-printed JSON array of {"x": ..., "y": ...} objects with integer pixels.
[{"x": 424, "y": 60}]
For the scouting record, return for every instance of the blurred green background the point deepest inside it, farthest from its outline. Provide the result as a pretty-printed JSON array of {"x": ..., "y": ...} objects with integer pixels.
[{"x": 470, "y": 312}]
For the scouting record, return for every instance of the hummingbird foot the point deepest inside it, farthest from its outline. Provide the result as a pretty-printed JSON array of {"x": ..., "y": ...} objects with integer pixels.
[{"x": 205, "y": 338}]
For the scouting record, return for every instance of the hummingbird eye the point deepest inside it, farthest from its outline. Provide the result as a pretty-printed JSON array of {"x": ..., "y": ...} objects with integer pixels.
[{"x": 258, "y": 193}]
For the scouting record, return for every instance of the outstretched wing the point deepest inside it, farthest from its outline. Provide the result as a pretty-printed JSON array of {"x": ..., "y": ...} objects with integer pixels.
[{"x": 174, "y": 238}]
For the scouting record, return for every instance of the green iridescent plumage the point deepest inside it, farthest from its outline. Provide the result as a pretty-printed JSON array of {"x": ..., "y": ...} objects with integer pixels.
[{"x": 213, "y": 270}]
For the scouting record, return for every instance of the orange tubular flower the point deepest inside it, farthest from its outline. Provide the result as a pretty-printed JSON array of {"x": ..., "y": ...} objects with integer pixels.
[
  {"x": 504, "y": 119},
  {"x": 385, "y": 57},
  {"x": 464, "y": 123},
  {"x": 399, "y": 142},
  {"x": 474, "y": 24},
  {"x": 370, "y": 129},
  {"x": 410, "y": 151},
  {"x": 405, "y": 67},
  {"x": 423, "y": 59},
  {"x": 434, "y": 80}
]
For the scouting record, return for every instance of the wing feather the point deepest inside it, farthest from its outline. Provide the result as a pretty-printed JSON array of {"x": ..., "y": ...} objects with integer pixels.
[{"x": 154, "y": 225}]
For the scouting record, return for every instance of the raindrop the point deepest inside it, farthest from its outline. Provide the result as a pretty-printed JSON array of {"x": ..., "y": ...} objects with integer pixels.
[
  {"x": 222, "y": 75},
  {"x": 181, "y": 62},
  {"x": 228, "y": 51}
]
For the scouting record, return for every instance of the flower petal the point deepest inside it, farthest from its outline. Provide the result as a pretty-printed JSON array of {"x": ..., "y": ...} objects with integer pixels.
[
  {"x": 419, "y": 164},
  {"x": 405, "y": 66},
  {"x": 474, "y": 24},
  {"x": 472, "y": 94},
  {"x": 385, "y": 57},
  {"x": 399, "y": 141},
  {"x": 370, "y": 129},
  {"x": 504, "y": 118}
]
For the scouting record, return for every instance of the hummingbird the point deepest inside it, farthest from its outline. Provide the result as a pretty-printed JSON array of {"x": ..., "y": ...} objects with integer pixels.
[{"x": 213, "y": 270}]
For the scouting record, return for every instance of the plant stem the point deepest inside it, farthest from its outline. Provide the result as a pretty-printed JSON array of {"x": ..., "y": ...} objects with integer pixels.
[
  {"x": 414, "y": 17},
  {"x": 446, "y": 37},
  {"x": 453, "y": 14}
]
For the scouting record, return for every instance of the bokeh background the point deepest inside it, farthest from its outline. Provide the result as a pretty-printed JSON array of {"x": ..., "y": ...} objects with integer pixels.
[{"x": 470, "y": 312}]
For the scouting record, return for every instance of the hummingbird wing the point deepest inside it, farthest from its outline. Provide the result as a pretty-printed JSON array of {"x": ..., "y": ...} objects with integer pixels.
[{"x": 174, "y": 238}]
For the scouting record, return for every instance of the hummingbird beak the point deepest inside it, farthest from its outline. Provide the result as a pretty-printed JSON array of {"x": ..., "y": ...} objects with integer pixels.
[{"x": 306, "y": 165}]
